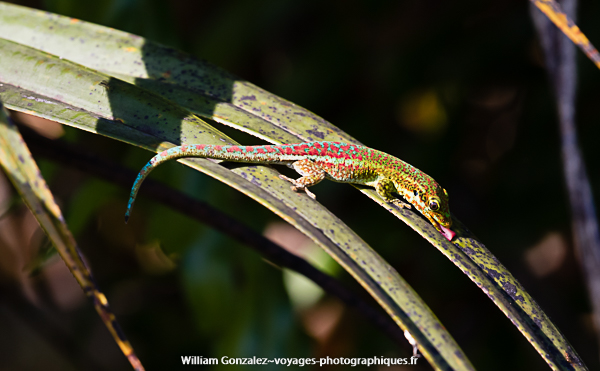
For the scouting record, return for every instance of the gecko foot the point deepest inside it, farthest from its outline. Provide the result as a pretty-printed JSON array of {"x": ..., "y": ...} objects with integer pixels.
[
  {"x": 287, "y": 178},
  {"x": 401, "y": 204},
  {"x": 297, "y": 188},
  {"x": 310, "y": 194}
]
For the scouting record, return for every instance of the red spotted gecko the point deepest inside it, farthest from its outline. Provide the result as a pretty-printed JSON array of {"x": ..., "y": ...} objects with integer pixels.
[{"x": 340, "y": 162}]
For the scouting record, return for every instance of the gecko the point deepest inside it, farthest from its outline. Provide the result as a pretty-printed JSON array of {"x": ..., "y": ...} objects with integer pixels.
[{"x": 336, "y": 161}]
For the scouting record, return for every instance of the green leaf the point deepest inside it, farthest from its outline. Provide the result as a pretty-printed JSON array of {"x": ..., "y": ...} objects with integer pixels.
[
  {"x": 97, "y": 103},
  {"x": 21, "y": 169},
  {"x": 192, "y": 83},
  {"x": 215, "y": 94}
]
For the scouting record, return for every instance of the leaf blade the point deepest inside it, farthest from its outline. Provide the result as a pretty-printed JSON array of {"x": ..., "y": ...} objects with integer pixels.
[
  {"x": 554, "y": 12},
  {"x": 273, "y": 192},
  {"x": 21, "y": 169}
]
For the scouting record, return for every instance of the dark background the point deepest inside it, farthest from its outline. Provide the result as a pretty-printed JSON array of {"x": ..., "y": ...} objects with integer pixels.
[{"x": 456, "y": 88}]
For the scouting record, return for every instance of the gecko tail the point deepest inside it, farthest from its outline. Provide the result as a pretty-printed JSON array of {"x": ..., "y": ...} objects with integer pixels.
[
  {"x": 260, "y": 154},
  {"x": 151, "y": 165},
  {"x": 132, "y": 196},
  {"x": 138, "y": 182},
  {"x": 199, "y": 150}
]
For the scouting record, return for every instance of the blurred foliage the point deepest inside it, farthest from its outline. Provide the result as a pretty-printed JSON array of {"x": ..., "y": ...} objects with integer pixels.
[{"x": 457, "y": 89}]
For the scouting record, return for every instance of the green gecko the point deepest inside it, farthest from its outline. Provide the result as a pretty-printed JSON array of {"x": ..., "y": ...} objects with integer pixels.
[{"x": 340, "y": 162}]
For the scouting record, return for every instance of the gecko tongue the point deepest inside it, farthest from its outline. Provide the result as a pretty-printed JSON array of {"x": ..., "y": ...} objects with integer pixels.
[{"x": 448, "y": 233}]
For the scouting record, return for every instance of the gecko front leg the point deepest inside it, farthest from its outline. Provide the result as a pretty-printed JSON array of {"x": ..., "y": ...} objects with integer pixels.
[
  {"x": 311, "y": 175},
  {"x": 384, "y": 188}
]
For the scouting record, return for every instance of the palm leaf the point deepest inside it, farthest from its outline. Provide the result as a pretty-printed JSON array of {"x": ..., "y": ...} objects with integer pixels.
[
  {"x": 556, "y": 15},
  {"x": 23, "y": 172},
  {"x": 95, "y": 102},
  {"x": 215, "y": 94}
]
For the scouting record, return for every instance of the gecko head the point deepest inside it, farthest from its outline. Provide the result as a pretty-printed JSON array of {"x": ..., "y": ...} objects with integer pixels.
[{"x": 434, "y": 205}]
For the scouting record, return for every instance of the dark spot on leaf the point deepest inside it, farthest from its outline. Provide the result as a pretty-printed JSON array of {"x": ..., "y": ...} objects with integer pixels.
[
  {"x": 494, "y": 274},
  {"x": 512, "y": 291},
  {"x": 316, "y": 133},
  {"x": 467, "y": 250}
]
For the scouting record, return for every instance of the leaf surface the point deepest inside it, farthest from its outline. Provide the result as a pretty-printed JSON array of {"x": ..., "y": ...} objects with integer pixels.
[
  {"x": 60, "y": 90},
  {"x": 21, "y": 169}
]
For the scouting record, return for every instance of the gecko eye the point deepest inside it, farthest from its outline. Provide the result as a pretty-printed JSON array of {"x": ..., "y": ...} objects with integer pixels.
[
  {"x": 416, "y": 193},
  {"x": 434, "y": 205}
]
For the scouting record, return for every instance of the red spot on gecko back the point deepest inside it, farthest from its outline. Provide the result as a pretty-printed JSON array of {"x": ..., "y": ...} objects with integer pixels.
[
  {"x": 200, "y": 146},
  {"x": 260, "y": 150},
  {"x": 288, "y": 150},
  {"x": 314, "y": 152},
  {"x": 218, "y": 147},
  {"x": 270, "y": 149},
  {"x": 233, "y": 149},
  {"x": 300, "y": 149},
  {"x": 163, "y": 153}
]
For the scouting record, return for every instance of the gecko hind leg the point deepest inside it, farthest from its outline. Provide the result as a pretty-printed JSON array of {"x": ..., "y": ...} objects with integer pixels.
[
  {"x": 384, "y": 188},
  {"x": 311, "y": 175}
]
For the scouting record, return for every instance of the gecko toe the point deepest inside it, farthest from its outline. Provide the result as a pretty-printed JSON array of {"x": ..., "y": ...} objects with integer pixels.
[
  {"x": 401, "y": 204},
  {"x": 286, "y": 178}
]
